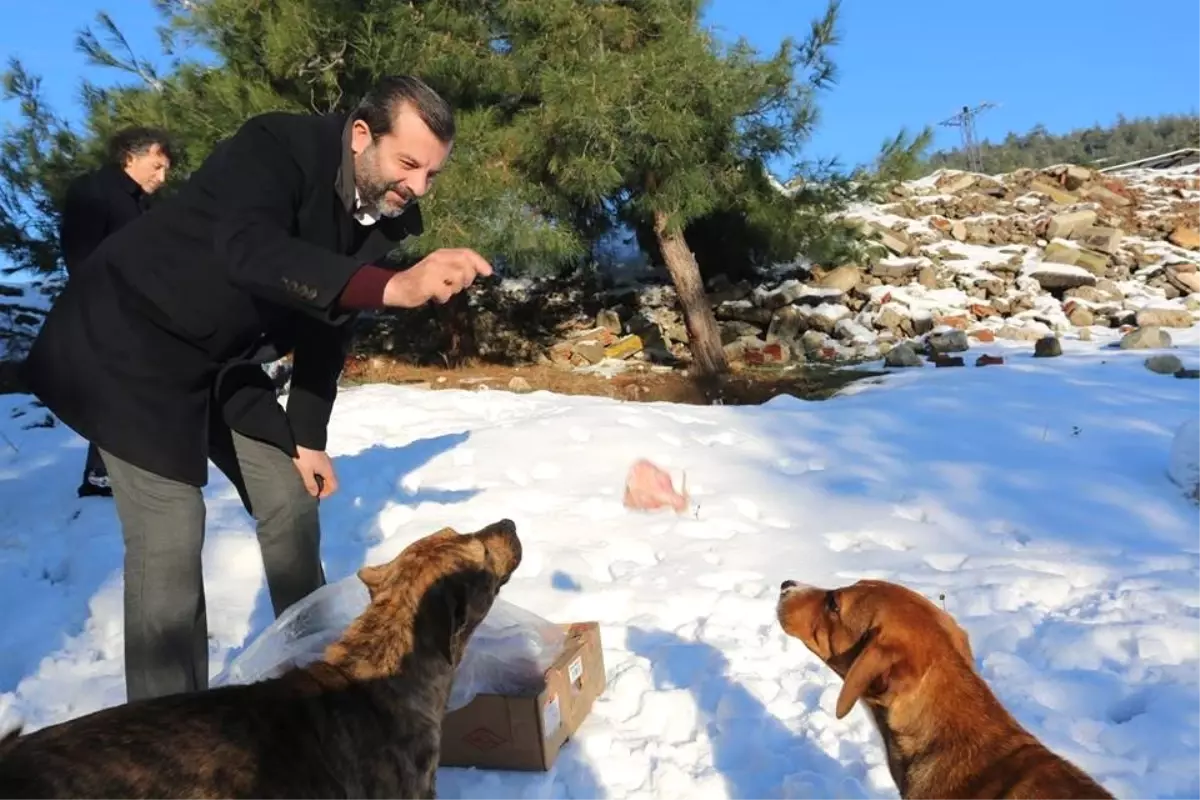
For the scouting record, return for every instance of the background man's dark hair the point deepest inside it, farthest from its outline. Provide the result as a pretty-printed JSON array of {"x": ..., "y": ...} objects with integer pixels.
[
  {"x": 136, "y": 140},
  {"x": 379, "y": 106}
]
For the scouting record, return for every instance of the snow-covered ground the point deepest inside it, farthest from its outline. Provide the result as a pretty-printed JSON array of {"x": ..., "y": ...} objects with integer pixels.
[{"x": 1034, "y": 496}]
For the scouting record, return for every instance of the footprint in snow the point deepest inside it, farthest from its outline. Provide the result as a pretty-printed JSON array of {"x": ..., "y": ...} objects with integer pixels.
[
  {"x": 726, "y": 438},
  {"x": 946, "y": 562},
  {"x": 714, "y": 529},
  {"x": 912, "y": 513},
  {"x": 793, "y": 467},
  {"x": 860, "y": 541},
  {"x": 728, "y": 581},
  {"x": 747, "y": 508}
]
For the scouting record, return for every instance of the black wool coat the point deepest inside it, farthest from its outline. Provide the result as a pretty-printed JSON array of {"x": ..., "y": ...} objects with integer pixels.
[
  {"x": 97, "y": 204},
  {"x": 161, "y": 333}
]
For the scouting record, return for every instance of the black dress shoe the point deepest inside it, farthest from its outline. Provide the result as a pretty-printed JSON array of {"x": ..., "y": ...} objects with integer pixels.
[{"x": 91, "y": 490}]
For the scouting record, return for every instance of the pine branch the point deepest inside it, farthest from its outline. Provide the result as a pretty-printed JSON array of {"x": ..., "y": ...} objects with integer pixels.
[{"x": 89, "y": 44}]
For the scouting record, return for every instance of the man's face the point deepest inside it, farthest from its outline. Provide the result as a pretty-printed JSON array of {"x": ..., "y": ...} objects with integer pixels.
[
  {"x": 399, "y": 166},
  {"x": 148, "y": 168}
]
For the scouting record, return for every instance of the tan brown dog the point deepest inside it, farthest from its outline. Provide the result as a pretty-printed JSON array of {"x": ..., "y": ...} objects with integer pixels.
[
  {"x": 365, "y": 721},
  {"x": 945, "y": 733}
]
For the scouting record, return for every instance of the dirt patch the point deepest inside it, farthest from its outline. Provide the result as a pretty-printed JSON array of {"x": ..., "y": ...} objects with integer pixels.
[{"x": 751, "y": 386}]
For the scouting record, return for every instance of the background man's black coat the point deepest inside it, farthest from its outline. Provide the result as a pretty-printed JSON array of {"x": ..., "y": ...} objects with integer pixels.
[
  {"x": 97, "y": 204},
  {"x": 172, "y": 316}
]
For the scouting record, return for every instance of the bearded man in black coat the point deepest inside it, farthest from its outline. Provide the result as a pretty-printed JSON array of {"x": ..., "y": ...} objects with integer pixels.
[{"x": 154, "y": 350}]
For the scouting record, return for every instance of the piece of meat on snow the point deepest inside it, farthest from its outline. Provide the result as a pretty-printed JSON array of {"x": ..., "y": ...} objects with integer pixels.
[{"x": 649, "y": 487}]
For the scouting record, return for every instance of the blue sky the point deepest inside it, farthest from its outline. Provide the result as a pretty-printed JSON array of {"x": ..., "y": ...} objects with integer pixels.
[{"x": 1063, "y": 63}]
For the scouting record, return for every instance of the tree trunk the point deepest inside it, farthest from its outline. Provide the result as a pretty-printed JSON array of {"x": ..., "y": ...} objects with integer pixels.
[{"x": 704, "y": 336}]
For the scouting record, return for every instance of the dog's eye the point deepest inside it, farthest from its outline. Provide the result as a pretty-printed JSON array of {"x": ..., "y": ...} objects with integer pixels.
[{"x": 831, "y": 603}]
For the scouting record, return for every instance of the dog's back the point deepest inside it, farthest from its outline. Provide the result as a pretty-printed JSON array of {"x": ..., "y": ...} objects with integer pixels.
[
  {"x": 364, "y": 721},
  {"x": 1030, "y": 770},
  {"x": 306, "y": 734}
]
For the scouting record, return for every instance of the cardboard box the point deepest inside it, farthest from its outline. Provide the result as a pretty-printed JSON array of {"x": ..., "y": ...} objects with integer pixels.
[{"x": 526, "y": 733}]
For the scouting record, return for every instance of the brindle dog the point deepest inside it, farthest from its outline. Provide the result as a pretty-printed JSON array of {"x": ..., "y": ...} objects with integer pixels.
[{"x": 365, "y": 721}]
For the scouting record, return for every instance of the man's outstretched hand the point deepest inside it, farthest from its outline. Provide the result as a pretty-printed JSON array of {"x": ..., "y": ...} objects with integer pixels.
[
  {"x": 437, "y": 277},
  {"x": 314, "y": 463}
]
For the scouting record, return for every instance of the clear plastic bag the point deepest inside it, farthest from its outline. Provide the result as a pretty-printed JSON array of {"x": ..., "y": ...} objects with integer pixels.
[{"x": 508, "y": 654}]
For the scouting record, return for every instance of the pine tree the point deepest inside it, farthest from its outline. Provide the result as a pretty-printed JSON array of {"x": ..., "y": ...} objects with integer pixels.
[
  {"x": 312, "y": 56},
  {"x": 643, "y": 115},
  {"x": 37, "y": 159},
  {"x": 901, "y": 157}
]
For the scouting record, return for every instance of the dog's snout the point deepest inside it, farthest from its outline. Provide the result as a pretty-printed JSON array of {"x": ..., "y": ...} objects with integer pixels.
[
  {"x": 505, "y": 526},
  {"x": 504, "y": 546},
  {"x": 792, "y": 587}
]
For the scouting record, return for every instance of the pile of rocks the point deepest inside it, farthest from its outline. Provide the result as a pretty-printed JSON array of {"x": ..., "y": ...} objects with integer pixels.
[
  {"x": 23, "y": 306},
  {"x": 1025, "y": 256},
  {"x": 960, "y": 256}
]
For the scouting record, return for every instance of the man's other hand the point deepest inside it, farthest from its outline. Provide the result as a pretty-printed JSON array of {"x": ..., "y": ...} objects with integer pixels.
[
  {"x": 313, "y": 463},
  {"x": 438, "y": 277}
]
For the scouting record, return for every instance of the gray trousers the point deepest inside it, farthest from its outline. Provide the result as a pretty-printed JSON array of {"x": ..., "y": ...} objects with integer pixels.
[{"x": 162, "y": 522}]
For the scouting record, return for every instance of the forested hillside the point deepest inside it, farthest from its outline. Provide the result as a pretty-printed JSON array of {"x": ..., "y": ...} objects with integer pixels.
[{"x": 1099, "y": 146}]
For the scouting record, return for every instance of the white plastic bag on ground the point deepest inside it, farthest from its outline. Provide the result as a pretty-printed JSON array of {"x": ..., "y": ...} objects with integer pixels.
[{"x": 508, "y": 653}]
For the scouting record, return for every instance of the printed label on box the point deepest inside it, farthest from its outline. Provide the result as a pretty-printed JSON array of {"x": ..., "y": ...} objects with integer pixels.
[
  {"x": 551, "y": 717},
  {"x": 575, "y": 671}
]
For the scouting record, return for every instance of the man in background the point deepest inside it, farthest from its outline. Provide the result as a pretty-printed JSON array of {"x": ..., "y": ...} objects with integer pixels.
[{"x": 97, "y": 204}]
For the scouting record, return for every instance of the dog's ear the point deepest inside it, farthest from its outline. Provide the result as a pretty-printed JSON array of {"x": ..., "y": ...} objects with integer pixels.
[
  {"x": 373, "y": 576},
  {"x": 868, "y": 675},
  {"x": 449, "y": 609},
  {"x": 454, "y": 604}
]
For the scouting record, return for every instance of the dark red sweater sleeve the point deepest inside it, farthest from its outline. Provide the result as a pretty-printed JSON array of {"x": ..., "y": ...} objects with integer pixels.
[{"x": 365, "y": 288}]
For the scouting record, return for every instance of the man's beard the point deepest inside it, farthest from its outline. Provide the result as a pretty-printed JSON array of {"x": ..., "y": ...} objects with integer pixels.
[
  {"x": 372, "y": 191},
  {"x": 375, "y": 198}
]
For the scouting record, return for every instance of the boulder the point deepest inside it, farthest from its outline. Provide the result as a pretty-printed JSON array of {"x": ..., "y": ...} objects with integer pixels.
[
  {"x": 947, "y": 341},
  {"x": 1081, "y": 316},
  {"x": 1148, "y": 338},
  {"x": 1165, "y": 318},
  {"x": 843, "y": 278},
  {"x": 902, "y": 355},
  {"x": 1063, "y": 225},
  {"x": 1186, "y": 282},
  {"x": 1164, "y": 364},
  {"x": 1061, "y": 276},
  {"x": 1106, "y": 240},
  {"x": 1047, "y": 347},
  {"x": 1185, "y": 236},
  {"x": 609, "y": 319}
]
